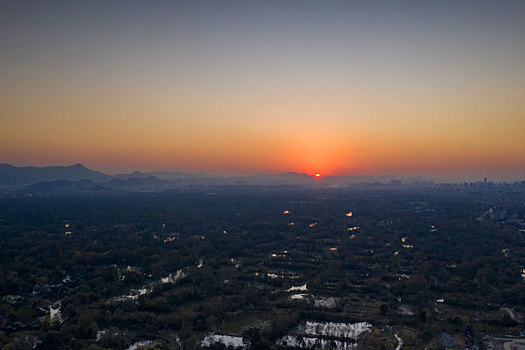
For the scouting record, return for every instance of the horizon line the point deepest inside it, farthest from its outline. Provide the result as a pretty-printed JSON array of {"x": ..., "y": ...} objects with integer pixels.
[{"x": 425, "y": 178}]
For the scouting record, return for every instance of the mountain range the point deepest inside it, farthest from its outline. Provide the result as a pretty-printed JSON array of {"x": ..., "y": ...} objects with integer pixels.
[
  {"x": 77, "y": 177},
  {"x": 19, "y": 176}
]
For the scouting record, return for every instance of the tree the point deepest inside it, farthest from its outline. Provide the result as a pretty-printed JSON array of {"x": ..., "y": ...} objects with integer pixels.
[
  {"x": 383, "y": 308},
  {"x": 252, "y": 336}
]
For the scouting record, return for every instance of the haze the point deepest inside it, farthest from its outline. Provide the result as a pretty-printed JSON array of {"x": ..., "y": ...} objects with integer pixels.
[{"x": 415, "y": 88}]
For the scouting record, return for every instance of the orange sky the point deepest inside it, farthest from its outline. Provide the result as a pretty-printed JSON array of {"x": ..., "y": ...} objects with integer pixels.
[{"x": 407, "y": 93}]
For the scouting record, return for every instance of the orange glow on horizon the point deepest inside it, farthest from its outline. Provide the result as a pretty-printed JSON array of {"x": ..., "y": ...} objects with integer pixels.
[{"x": 218, "y": 92}]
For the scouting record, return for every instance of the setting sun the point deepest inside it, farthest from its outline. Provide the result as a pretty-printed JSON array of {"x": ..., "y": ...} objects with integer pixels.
[{"x": 317, "y": 175}]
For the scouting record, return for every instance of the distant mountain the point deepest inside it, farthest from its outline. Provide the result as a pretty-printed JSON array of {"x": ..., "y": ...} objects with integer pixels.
[
  {"x": 290, "y": 178},
  {"x": 19, "y": 176},
  {"x": 149, "y": 183},
  {"x": 163, "y": 175},
  {"x": 65, "y": 186},
  {"x": 49, "y": 179}
]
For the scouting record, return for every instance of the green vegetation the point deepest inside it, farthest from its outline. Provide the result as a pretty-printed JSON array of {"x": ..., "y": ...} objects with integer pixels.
[{"x": 105, "y": 272}]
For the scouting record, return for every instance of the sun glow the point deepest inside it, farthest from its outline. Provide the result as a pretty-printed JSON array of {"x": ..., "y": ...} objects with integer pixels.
[{"x": 317, "y": 175}]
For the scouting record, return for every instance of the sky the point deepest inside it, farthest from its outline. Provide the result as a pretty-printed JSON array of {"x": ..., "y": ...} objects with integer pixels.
[{"x": 411, "y": 88}]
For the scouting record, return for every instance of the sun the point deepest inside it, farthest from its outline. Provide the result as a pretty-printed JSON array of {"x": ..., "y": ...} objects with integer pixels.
[{"x": 317, "y": 175}]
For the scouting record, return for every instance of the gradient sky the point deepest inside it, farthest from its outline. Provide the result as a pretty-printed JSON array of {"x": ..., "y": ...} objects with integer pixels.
[{"x": 432, "y": 88}]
